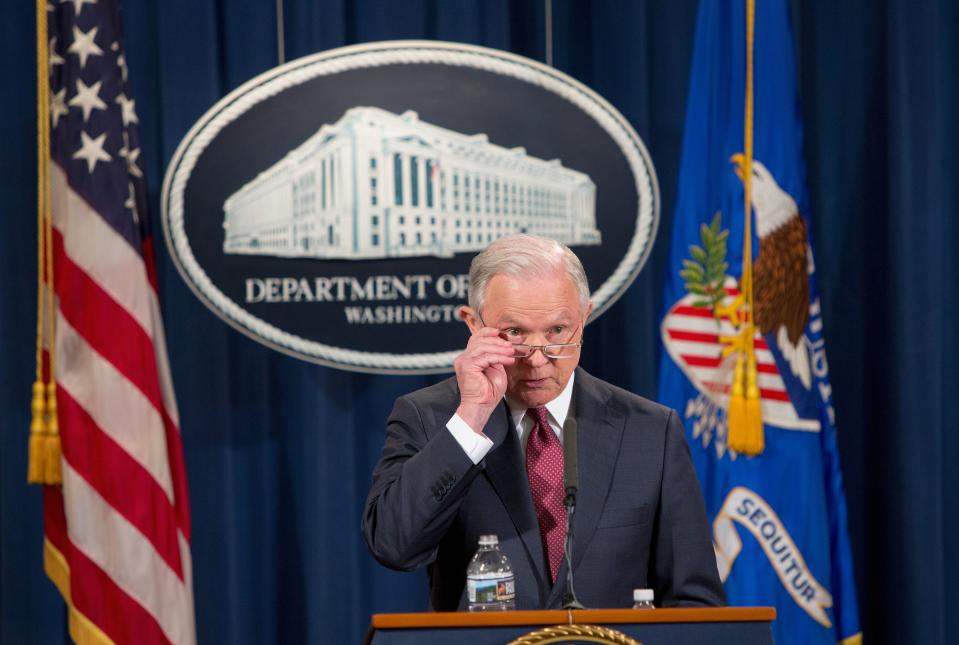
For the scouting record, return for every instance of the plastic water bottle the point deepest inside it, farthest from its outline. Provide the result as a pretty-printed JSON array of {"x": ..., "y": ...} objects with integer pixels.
[
  {"x": 490, "y": 585},
  {"x": 643, "y": 599}
]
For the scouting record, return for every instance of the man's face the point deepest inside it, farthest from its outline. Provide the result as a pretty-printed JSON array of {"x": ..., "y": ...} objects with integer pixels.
[{"x": 537, "y": 311}]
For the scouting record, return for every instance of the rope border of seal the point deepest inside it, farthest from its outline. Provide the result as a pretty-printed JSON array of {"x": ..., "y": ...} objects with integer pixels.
[{"x": 344, "y": 59}]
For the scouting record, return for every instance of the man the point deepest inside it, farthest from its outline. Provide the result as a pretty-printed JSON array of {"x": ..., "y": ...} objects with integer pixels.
[{"x": 481, "y": 453}]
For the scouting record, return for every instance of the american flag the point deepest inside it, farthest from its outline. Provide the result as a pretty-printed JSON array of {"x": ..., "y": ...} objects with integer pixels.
[{"x": 118, "y": 530}]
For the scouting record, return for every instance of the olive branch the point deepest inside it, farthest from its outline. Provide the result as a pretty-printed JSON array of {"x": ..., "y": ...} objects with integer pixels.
[{"x": 705, "y": 273}]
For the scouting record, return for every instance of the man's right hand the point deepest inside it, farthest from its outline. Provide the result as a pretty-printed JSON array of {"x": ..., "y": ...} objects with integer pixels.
[{"x": 481, "y": 376}]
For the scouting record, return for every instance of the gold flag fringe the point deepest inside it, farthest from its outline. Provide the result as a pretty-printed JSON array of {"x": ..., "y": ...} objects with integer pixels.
[{"x": 82, "y": 630}]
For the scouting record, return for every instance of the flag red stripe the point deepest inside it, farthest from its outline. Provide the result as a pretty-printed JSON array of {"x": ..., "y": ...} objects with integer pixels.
[
  {"x": 714, "y": 362},
  {"x": 110, "y": 330},
  {"x": 97, "y": 596},
  {"x": 702, "y": 337},
  {"x": 696, "y": 312},
  {"x": 119, "y": 479},
  {"x": 774, "y": 395},
  {"x": 54, "y": 518},
  {"x": 694, "y": 336}
]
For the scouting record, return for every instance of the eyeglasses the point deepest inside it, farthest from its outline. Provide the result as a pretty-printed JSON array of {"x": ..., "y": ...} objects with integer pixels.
[{"x": 552, "y": 350}]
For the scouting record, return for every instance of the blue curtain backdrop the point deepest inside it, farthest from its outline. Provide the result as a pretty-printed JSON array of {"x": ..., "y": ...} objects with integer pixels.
[{"x": 279, "y": 452}]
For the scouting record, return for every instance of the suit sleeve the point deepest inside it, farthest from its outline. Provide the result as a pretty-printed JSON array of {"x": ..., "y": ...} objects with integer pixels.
[
  {"x": 418, "y": 486},
  {"x": 684, "y": 563}
]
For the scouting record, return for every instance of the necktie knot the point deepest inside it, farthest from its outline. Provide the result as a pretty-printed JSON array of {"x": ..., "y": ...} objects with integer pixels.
[{"x": 541, "y": 415}]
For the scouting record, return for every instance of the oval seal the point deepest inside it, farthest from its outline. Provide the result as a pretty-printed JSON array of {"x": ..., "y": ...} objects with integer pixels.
[{"x": 329, "y": 208}]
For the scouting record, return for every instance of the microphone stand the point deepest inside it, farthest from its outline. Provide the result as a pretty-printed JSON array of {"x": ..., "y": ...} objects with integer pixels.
[
  {"x": 571, "y": 477},
  {"x": 569, "y": 596}
]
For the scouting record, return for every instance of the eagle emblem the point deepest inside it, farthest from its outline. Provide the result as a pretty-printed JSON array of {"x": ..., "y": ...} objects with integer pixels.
[
  {"x": 781, "y": 270},
  {"x": 729, "y": 347}
]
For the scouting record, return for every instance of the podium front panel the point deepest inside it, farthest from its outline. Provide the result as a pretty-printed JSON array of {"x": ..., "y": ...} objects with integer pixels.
[{"x": 712, "y": 626}]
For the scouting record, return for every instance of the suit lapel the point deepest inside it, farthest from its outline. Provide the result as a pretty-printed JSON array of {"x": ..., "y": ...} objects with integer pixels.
[
  {"x": 599, "y": 435},
  {"x": 506, "y": 470}
]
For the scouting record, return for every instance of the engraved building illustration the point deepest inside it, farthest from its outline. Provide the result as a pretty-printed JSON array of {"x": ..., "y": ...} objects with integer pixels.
[{"x": 377, "y": 184}]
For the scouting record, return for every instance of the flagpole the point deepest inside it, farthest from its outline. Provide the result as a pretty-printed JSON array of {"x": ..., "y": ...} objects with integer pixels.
[
  {"x": 745, "y": 422},
  {"x": 548, "y": 8},
  {"x": 37, "y": 407},
  {"x": 280, "y": 36},
  {"x": 43, "y": 465}
]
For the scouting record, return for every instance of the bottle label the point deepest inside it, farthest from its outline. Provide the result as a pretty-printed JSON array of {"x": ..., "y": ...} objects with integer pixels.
[{"x": 498, "y": 589}]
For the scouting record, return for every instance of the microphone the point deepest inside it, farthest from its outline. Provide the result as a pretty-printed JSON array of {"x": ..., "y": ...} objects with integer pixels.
[
  {"x": 570, "y": 462},
  {"x": 571, "y": 483}
]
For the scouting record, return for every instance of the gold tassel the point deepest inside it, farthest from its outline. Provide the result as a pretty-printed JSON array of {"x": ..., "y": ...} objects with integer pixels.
[
  {"x": 36, "y": 465},
  {"x": 52, "y": 450},
  {"x": 754, "y": 412},
  {"x": 736, "y": 420}
]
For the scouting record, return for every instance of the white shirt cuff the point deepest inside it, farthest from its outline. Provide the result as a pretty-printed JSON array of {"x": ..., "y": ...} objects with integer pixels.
[{"x": 474, "y": 444}]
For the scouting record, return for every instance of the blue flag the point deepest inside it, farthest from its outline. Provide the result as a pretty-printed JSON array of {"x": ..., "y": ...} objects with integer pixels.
[{"x": 744, "y": 357}]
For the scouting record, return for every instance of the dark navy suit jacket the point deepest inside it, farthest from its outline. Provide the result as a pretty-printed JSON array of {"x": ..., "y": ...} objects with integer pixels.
[{"x": 639, "y": 522}]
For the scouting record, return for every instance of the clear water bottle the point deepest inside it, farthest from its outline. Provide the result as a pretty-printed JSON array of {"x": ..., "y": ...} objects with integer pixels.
[
  {"x": 490, "y": 585},
  {"x": 643, "y": 599}
]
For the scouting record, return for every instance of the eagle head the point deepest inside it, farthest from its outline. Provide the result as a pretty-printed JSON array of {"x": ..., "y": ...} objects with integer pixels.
[{"x": 772, "y": 204}]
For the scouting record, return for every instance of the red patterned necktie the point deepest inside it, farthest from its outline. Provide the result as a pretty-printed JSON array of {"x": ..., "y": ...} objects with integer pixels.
[{"x": 544, "y": 467}]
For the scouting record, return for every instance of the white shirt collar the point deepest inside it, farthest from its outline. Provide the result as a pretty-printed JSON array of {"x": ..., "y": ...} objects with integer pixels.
[{"x": 558, "y": 409}]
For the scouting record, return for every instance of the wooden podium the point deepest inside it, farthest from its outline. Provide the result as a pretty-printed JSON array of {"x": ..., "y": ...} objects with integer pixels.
[{"x": 693, "y": 626}]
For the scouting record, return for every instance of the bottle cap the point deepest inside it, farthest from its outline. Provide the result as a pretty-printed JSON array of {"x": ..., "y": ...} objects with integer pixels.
[
  {"x": 488, "y": 540},
  {"x": 642, "y": 595}
]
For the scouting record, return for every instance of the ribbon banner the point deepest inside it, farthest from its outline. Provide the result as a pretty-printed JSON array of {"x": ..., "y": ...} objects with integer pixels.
[{"x": 745, "y": 507}]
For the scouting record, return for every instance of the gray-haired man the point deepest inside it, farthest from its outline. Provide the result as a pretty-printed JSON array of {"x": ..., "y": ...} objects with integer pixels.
[{"x": 481, "y": 453}]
